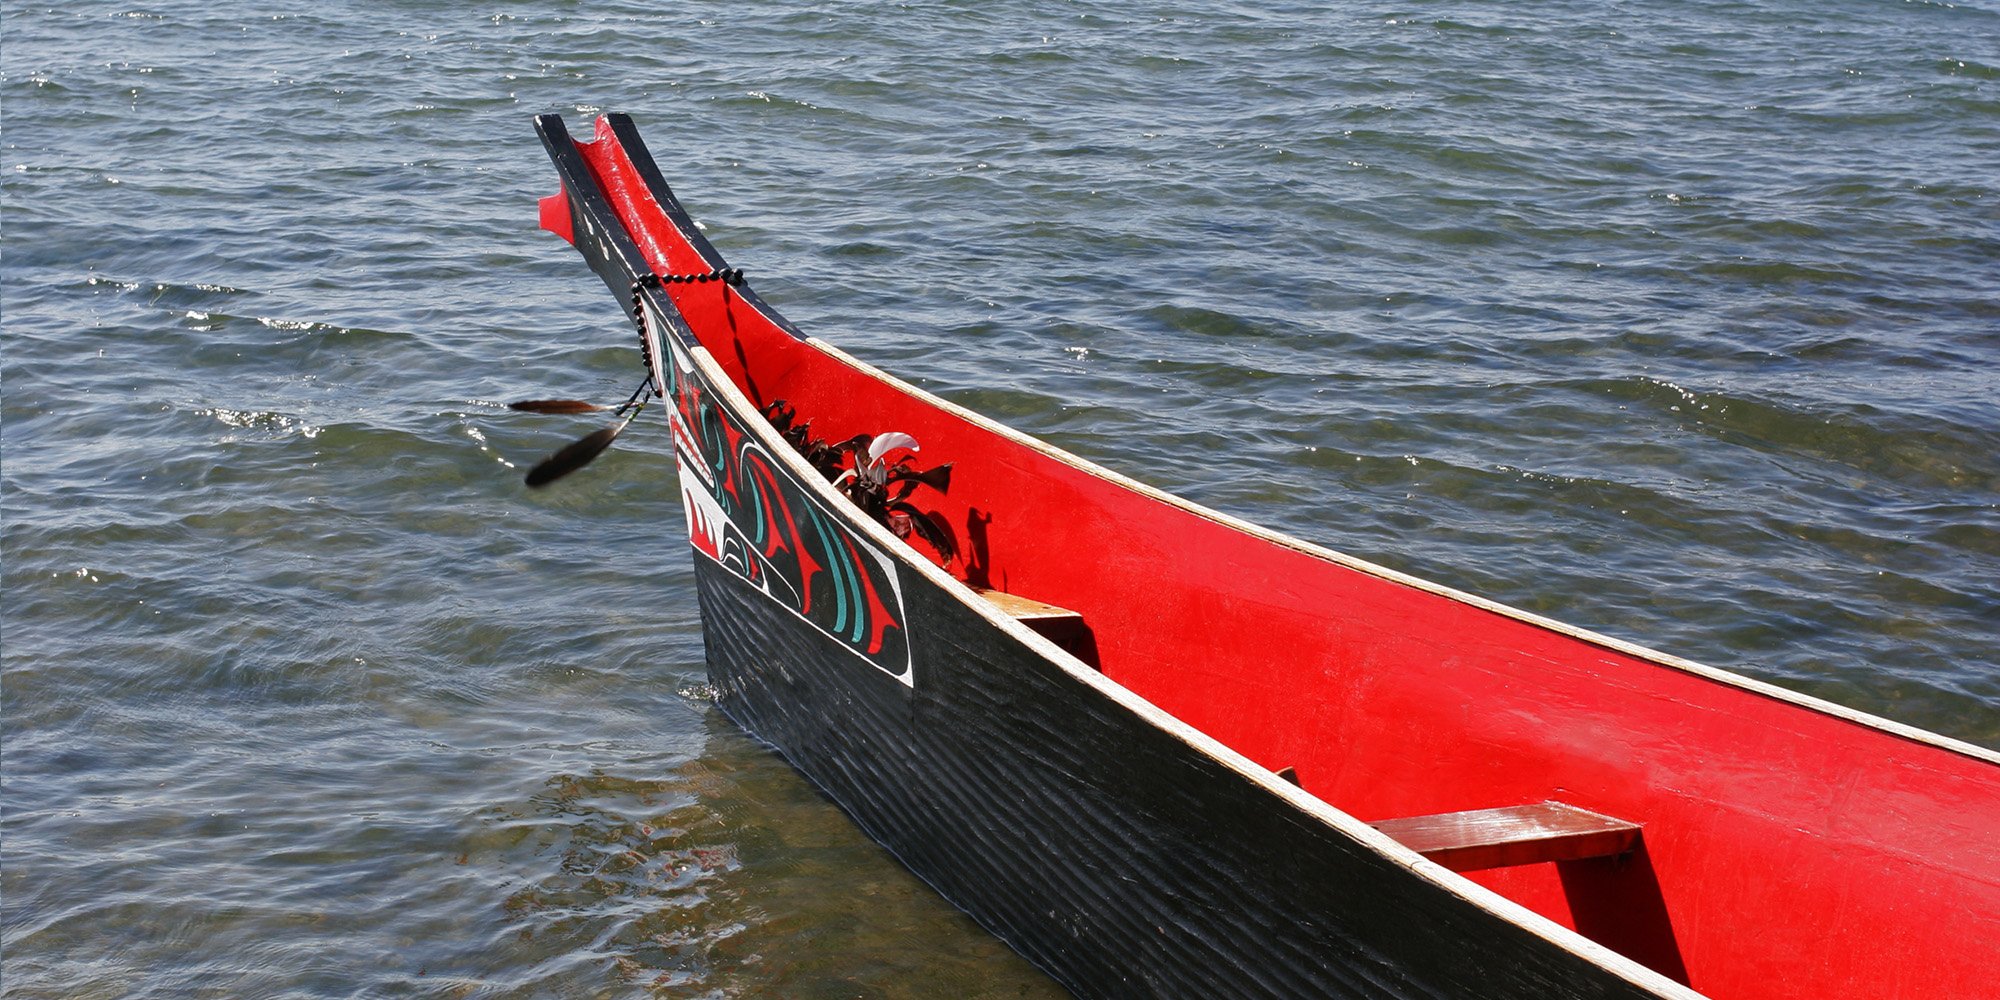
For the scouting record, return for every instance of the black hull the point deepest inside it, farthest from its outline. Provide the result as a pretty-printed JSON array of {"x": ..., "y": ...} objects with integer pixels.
[{"x": 1121, "y": 859}]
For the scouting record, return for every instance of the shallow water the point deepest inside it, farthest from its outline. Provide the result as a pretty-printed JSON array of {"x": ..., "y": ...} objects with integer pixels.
[{"x": 1680, "y": 321}]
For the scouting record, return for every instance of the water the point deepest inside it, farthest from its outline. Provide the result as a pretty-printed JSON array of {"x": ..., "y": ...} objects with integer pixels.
[{"x": 1677, "y": 320}]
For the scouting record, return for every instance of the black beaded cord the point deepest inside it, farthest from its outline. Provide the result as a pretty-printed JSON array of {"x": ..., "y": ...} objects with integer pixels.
[
  {"x": 731, "y": 276},
  {"x": 639, "y": 321}
]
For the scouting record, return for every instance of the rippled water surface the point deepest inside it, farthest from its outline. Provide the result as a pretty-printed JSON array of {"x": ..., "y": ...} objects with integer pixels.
[{"x": 1676, "y": 320}]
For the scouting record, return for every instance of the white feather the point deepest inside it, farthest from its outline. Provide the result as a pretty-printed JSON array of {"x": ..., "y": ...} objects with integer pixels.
[{"x": 887, "y": 442}]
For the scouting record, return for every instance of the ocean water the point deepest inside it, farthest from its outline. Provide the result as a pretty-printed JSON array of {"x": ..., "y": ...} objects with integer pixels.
[{"x": 1678, "y": 320}]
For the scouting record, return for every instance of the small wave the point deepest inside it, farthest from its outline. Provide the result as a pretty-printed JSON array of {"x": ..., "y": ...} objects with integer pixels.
[
  {"x": 271, "y": 424},
  {"x": 1777, "y": 272},
  {"x": 1968, "y": 68}
]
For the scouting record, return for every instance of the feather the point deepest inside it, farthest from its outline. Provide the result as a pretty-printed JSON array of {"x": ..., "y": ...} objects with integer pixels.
[
  {"x": 889, "y": 441},
  {"x": 556, "y": 406},
  {"x": 579, "y": 453},
  {"x": 938, "y": 478}
]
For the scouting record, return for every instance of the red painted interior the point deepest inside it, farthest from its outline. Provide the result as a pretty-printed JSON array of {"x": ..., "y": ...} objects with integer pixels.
[{"x": 1786, "y": 852}]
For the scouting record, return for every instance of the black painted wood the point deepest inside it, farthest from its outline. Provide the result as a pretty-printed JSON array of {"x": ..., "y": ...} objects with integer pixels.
[{"x": 1116, "y": 856}]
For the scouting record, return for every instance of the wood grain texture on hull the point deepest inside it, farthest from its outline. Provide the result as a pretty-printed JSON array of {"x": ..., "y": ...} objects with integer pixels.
[{"x": 1116, "y": 856}]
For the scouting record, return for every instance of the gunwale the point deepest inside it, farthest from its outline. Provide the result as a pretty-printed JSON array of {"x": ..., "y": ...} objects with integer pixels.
[{"x": 1347, "y": 824}]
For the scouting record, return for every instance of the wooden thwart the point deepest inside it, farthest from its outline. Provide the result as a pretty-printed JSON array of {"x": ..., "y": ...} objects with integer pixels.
[
  {"x": 1061, "y": 626},
  {"x": 1027, "y": 609},
  {"x": 1516, "y": 835}
]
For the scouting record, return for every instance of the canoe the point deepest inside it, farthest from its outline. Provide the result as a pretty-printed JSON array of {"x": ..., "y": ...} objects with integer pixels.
[{"x": 1162, "y": 752}]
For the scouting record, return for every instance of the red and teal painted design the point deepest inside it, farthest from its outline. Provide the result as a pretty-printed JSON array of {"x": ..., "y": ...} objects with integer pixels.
[{"x": 747, "y": 513}]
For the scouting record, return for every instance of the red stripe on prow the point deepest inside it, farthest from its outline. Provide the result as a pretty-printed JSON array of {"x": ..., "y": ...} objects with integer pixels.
[{"x": 555, "y": 215}]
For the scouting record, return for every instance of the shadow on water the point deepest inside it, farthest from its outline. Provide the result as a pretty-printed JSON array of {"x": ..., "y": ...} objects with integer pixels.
[{"x": 728, "y": 875}]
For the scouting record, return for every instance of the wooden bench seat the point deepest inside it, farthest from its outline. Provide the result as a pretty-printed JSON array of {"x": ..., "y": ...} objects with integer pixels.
[
  {"x": 1515, "y": 835},
  {"x": 1061, "y": 626}
]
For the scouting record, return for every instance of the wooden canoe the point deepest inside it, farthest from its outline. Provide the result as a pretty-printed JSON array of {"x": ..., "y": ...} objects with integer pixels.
[{"x": 1165, "y": 753}]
